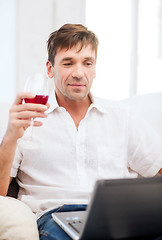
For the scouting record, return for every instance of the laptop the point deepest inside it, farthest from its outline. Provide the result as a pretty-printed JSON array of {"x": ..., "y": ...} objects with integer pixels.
[{"x": 118, "y": 209}]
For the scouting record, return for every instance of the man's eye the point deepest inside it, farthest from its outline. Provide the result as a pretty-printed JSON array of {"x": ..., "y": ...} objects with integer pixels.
[
  {"x": 88, "y": 63},
  {"x": 67, "y": 64}
]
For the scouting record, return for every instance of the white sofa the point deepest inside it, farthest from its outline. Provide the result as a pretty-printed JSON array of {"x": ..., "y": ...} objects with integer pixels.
[{"x": 149, "y": 107}]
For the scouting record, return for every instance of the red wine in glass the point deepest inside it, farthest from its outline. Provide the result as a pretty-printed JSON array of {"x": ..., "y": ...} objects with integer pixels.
[
  {"x": 39, "y": 99},
  {"x": 38, "y": 85}
]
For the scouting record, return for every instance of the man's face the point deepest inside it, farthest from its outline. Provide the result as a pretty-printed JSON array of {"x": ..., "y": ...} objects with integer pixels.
[{"x": 73, "y": 72}]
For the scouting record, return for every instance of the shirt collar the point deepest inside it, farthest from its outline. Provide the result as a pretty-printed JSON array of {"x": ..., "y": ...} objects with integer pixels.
[
  {"x": 53, "y": 102},
  {"x": 95, "y": 103}
]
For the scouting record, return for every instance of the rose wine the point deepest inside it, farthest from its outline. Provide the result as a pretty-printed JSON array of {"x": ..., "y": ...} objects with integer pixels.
[{"x": 40, "y": 99}]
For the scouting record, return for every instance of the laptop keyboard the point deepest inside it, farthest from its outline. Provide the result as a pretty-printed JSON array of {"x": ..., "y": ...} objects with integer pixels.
[{"x": 75, "y": 223}]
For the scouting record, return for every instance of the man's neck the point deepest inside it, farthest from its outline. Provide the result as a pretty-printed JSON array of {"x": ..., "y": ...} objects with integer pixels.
[{"x": 77, "y": 109}]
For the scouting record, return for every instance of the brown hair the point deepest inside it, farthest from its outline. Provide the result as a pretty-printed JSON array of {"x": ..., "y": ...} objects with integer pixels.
[{"x": 67, "y": 37}]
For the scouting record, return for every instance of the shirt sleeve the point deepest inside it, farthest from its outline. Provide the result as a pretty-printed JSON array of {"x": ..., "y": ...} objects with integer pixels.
[
  {"x": 144, "y": 147},
  {"x": 16, "y": 163}
]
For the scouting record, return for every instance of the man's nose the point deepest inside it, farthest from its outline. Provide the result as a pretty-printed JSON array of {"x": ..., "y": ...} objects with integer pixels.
[{"x": 77, "y": 72}]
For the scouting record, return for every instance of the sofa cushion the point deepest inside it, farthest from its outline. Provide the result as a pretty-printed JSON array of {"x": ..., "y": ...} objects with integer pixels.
[
  {"x": 149, "y": 107},
  {"x": 17, "y": 222}
]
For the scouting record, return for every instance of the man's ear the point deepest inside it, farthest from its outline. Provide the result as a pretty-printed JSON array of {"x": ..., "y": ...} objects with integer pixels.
[{"x": 49, "y": 69}]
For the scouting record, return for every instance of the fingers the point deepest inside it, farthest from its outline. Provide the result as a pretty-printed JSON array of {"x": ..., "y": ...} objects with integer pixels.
[
  {"x": 28, "y": 114},
  {"x": 18, "y": 106},
  {"x": 29, "y": 107},
  {"x": 22, "y": 95},
  {"x": 48, "y": 105},
  {"x": 21, "y": 115},
  {"x": 37, "y": 123},
  {"x": 17, "y": 124}
]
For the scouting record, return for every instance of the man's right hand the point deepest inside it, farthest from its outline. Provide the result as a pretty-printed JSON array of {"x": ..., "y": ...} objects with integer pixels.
[{"x": 21, "y": 115}]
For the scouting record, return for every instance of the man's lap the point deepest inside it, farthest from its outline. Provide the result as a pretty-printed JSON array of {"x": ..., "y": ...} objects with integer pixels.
[{"x": 50, "y": 230}]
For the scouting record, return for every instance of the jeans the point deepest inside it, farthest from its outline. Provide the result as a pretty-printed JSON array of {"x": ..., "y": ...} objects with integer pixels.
[{"x": 49, "y": 230}]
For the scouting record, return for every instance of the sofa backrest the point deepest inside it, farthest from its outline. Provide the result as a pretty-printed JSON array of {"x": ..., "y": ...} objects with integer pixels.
[{"x": 148, "y": 106}]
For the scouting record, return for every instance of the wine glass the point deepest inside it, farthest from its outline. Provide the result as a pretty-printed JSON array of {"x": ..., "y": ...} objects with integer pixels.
[{"x": 37, "y": 84}]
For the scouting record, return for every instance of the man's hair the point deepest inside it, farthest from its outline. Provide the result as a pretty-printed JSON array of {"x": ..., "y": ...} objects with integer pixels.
[{"x": 70, "y": 35}]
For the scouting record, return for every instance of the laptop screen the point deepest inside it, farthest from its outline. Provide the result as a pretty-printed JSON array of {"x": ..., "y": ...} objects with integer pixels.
[
  {"x": 120, "y": 209},
  {"x": 126, "y": 208}
]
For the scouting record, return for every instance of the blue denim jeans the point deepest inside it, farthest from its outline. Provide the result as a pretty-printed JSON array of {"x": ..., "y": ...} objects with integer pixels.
[{"x": 49, "y": 230}]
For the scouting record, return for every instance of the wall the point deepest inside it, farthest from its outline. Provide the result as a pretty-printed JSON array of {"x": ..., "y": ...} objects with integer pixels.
[
  {"x": 26, "y": 27},
  {"x": 35, "y": 21},
  {"x": 7, "y": 49}
]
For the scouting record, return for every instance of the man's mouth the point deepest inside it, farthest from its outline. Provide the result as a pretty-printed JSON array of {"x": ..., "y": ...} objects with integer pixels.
[{"x": 77, "y": 85}]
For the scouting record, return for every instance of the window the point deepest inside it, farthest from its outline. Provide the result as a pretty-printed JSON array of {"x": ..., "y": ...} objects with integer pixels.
[
  {"x": 150, "y": 46},
  {"x": 130, "y": 50},
  {"x": 110, "y": 20}
]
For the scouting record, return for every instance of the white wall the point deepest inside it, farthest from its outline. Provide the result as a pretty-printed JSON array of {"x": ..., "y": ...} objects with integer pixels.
[
  {"x": 69, "y": 11},
  {"x": 26, "y": 25},
  {"x": 7, "y": 49},
  {"x": 36, "y": 19}
]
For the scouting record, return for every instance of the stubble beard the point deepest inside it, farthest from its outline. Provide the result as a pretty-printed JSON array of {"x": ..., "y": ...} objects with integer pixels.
[{"x": 76, "y": 94}]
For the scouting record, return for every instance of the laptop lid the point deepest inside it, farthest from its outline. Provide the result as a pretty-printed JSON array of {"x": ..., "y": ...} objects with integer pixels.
[{"x": 124, "y": 209}]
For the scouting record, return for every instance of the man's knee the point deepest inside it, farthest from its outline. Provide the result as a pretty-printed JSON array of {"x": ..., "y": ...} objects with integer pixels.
[{"x": 17, "y": 222}]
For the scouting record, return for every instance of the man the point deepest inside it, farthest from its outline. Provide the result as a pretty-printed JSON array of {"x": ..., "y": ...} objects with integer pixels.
[{"x": 83, "y": 138}]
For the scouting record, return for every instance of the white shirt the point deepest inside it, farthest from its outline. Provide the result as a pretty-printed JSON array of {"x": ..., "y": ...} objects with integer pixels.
[{"x": 109, "y": 143}]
